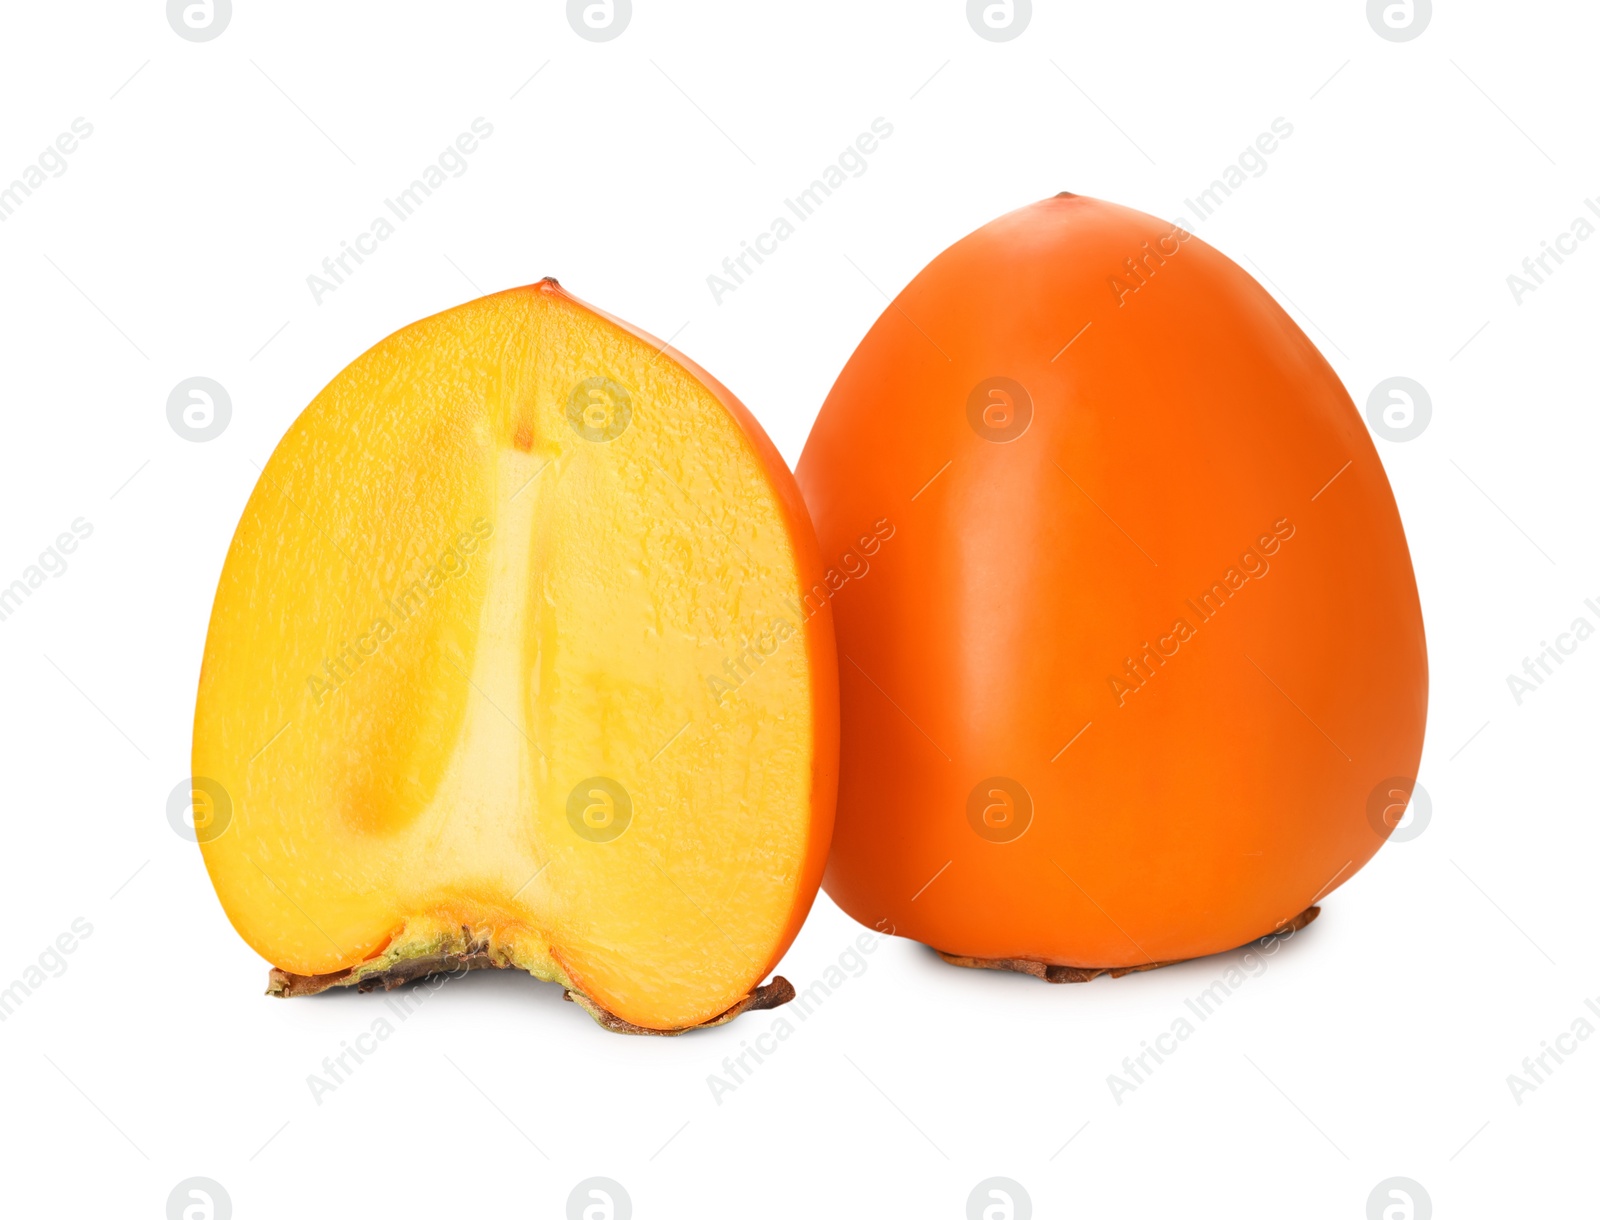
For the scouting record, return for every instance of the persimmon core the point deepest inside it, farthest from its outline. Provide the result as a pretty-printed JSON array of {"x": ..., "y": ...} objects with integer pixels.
[{"x": 458, "y": 679}]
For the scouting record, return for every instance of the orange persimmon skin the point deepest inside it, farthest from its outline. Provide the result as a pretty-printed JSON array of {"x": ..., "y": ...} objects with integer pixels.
[{"x": 1199, "y": 771}]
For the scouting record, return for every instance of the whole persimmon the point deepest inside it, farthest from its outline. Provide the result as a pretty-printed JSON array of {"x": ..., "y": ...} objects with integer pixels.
[{"x": 1132, "y": 662}]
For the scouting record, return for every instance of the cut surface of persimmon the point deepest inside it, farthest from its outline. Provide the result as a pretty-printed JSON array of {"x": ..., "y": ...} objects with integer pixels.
[
  {"x": 1140, "y": 673},
  {"x": 510, "y": 665}
]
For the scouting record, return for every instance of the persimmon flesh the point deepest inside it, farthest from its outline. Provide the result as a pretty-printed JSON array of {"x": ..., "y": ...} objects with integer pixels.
[
  {"x": 505, "y": 668},
  {"x": 1141, "y": 674}
]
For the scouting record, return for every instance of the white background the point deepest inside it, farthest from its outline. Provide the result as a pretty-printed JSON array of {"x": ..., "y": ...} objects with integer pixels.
[{"x": 177, "y": 243}]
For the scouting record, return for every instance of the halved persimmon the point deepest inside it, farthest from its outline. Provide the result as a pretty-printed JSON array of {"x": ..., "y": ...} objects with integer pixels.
[
  {"x": 1139, "y": 672},
  {"x": 509, "y": 666}
]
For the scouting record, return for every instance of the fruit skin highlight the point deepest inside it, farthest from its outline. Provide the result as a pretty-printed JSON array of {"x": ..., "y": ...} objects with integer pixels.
[
  {"x": 465, "y": 698},
  {"x": 1143, "y": 671}
]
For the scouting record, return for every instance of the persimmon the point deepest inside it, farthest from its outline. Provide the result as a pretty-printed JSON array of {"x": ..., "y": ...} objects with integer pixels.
[
  {"x": 1143, "y": 654},
  {"x": 508, "y": 666}
]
